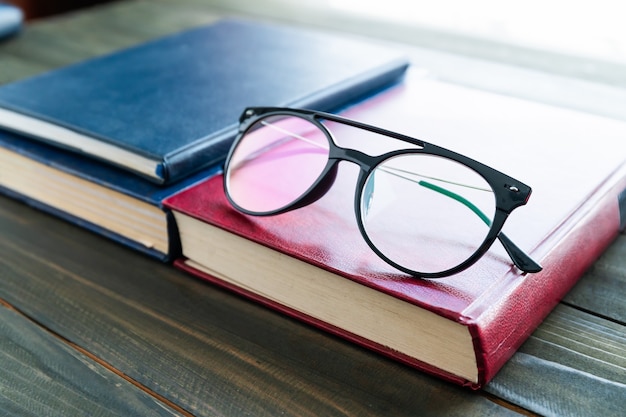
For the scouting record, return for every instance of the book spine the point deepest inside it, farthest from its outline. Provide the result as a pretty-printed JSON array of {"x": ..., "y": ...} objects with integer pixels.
[
  {"x": 581, "y": 241},
  {"x": 622, "y": 211},
  {"x": 207, "y": 152}
]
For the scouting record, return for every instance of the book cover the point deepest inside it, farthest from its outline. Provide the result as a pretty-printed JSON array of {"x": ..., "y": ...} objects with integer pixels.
[
  {"x": 91, "y": 194},
  {"x": 169, "y": 107},
  {"x": 313, "y": 264}
]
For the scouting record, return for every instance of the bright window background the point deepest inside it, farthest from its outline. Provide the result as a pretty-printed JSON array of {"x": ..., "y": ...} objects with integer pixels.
[
  {"x": 579, "y": 38},
  {"x": 570, "y": 53},
  {"x": 596, "y": 29}
]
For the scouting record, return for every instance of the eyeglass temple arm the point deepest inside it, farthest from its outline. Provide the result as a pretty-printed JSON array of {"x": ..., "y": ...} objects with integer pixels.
[{"x": 518, "y": 256}]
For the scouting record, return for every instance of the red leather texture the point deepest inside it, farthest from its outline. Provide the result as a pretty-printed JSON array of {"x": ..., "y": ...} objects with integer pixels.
[{"x": 574, "y": 162}]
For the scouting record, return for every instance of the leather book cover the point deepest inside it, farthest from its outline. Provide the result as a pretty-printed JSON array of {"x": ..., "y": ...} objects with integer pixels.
[
  {"x": 169, "y": 107},
  {"x": 575, "y": 162}
]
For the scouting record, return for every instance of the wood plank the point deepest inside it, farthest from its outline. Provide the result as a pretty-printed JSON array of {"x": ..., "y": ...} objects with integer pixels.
[
  {"x": 42, "y": 376},
  {"x": 204, "y": 349},
  {"x": 603, "y": 288},
  {"x": 574, "y": 364},
  {"x": 73, "y": 37},
  {"x": 15, "y": 68}
]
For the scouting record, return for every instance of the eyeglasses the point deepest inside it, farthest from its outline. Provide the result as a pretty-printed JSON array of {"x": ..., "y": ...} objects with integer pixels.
[{"x": 425, "y": 210}]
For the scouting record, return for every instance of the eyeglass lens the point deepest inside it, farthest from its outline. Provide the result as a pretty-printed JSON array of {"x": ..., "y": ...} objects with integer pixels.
[
  {"x": 276, "y": 162},
  {"x": 422, "y": 212},
  {"x": 426, "y": 213}
]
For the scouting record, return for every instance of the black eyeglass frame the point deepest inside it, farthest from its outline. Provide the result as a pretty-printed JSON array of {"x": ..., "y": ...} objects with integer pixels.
[{"x": 509, "y": 192}]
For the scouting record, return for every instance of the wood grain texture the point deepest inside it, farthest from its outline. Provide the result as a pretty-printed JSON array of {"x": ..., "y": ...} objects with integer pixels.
[
  {"x": 203, "y": 349},
  {"x": 603, "y": 289},
  {"x": 42, "y": 376},
  {"x": 574, "y": 364},
  {"x": 69, "y": 38}
]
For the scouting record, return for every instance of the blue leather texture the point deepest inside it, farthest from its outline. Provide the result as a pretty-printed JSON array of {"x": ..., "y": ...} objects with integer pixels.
[{"x": 177, "y": 99}]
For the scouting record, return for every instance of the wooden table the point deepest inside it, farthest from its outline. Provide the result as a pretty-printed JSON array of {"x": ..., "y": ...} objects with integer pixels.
[{"x": 88, "y": 327}]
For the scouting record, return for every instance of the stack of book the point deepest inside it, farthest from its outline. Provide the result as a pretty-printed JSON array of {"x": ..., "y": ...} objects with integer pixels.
[
  {"x": 131, "y": 145},
  {"x": 102, "y": 142}
]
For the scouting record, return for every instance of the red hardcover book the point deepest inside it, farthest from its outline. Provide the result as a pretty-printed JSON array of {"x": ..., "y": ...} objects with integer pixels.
[{"x": 312, "y": 263}]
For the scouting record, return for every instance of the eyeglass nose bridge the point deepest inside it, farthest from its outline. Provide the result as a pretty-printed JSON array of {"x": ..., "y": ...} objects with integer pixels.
[
  {"x": 363, "y": 160},
  {"x": 327, "y": 178}
]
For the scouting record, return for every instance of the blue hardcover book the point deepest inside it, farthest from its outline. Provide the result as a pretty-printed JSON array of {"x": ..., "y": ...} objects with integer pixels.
[
  {"x": 10, "y": 20},
  {"x": 92, "y": 194},
  {"x": 170, "y": 107}
]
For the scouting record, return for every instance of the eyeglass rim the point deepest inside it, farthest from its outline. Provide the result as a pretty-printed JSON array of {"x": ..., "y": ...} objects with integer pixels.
[{"x": 498, "y": 181}]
